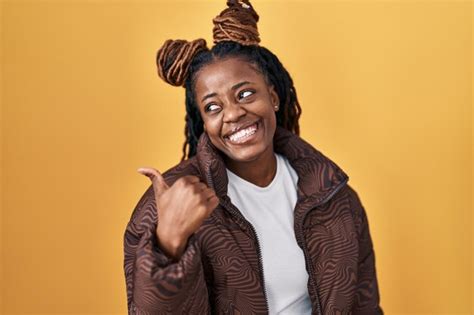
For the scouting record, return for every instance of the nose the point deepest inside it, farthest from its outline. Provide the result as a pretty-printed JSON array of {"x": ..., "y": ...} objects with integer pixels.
[{"x": 233, "y": 112}]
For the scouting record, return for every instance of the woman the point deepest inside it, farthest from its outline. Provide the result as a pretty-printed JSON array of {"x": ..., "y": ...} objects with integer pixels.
[{"x": 255, "y": 220}]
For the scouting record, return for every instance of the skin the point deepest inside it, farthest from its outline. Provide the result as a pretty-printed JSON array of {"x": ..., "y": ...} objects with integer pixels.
[
  {"x": 232, "y": 92},
  {"x": 177, "y": 221}
]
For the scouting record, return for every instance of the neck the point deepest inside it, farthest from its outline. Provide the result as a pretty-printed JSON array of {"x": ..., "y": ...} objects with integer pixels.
[{"x": 260, "y": 171}]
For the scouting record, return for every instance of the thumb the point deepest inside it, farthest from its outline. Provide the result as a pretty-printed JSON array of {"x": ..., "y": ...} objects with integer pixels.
[{"x": 159, "y": 184}]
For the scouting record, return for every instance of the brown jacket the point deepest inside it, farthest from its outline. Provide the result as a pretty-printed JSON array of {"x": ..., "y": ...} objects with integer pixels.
[{"x": 220, "y": 271}]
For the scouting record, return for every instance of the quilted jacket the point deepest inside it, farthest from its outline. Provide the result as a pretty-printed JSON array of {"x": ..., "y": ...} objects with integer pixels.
[{"x": 220, "y": 271}]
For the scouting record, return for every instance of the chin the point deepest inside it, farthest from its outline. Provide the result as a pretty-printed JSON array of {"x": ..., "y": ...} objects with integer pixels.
[{"x": 246, "y": 154}]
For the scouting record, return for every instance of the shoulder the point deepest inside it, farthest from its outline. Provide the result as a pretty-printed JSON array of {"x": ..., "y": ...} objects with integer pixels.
[
  {"x": 344, "y": 201},
  {"x": 184, "y": 168},
  {"x": 145, "y": 209},
  {"x": 355, "y": 205}
]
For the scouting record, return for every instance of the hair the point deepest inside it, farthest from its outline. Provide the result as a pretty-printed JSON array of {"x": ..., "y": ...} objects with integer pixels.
[{"x": 235, "y": 36}]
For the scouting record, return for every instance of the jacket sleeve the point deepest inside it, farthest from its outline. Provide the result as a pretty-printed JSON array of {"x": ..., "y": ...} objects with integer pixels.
[
  {"x": 367, "y": 299},
  {"x": 156, "y": 284}
]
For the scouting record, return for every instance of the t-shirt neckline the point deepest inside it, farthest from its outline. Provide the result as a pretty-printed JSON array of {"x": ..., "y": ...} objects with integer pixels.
[{"x": 251, "y": 185}]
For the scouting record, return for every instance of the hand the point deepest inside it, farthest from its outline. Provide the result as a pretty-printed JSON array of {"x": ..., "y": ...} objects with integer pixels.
[{"x": 181, "y": 209}]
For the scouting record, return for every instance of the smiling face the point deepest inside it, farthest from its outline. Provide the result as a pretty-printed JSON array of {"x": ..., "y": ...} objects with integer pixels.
[{"x": 237, "y": 107}]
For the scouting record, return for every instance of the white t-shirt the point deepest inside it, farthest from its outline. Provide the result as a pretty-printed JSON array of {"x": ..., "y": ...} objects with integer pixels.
[{"x": 270, "y": 210}]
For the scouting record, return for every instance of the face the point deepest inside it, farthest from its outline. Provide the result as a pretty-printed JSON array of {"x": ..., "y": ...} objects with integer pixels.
[{"x": 237, "y": 107}]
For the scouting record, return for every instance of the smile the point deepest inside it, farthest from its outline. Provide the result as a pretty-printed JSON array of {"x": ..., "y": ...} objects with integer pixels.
[{"x": 244, "y": 135}]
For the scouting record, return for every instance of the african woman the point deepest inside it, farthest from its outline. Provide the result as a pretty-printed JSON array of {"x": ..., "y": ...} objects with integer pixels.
[{"x": 253, "y": 220}]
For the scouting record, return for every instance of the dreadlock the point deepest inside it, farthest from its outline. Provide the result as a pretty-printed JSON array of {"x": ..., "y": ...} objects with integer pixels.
[{"x": 235, "y": 35}]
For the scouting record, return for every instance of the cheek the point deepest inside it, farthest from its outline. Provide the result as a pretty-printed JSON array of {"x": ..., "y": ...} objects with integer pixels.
[
  {"x": 272, "y": 117},
  {"x": 212, "y": 127}
]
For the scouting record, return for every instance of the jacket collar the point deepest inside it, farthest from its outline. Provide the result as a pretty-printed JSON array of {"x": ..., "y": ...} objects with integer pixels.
[{"x": 318, "y": 176}]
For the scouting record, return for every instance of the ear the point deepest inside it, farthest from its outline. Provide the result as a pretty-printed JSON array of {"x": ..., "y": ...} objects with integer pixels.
[{"x": 275, "y": 100}]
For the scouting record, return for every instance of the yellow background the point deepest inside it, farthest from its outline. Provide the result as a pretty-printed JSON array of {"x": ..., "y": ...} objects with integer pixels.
[{"x": 386, "y": 92}]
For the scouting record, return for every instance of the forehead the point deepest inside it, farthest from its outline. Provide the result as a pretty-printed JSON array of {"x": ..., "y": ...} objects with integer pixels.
[{"x": 224, "y": 73}]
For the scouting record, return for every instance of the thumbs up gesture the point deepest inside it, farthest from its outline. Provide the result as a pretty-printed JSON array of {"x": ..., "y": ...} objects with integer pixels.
[{"x": 181, "y": 209}]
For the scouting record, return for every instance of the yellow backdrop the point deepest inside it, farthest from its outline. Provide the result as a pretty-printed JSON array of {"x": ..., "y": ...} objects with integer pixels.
[{"x": 386, "y": 92}]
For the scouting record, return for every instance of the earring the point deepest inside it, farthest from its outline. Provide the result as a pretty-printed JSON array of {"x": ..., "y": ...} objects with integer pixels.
[{"x": 276, "y": 107}]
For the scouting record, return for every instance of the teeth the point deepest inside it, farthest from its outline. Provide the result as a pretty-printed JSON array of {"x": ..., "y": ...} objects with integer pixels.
[{"x": 244, "y": 133}]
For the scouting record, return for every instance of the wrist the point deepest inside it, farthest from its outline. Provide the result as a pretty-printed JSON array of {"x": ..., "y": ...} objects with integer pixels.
[{"x": 172, "y": 245}]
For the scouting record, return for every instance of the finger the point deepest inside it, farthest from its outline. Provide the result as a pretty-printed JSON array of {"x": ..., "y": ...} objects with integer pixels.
[
  {"x": 213, "y": 202},
  {"x": 159, "y": 184},
  {"x": 191, "y": 179},
  {"x": 208, "y": 193},
  {"x": 200, "y": 186}
]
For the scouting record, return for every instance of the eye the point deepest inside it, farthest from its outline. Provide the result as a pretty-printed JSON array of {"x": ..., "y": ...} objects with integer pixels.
[
  {"x": 212, "y": 107},
  {"x": 245, "y": 93}
]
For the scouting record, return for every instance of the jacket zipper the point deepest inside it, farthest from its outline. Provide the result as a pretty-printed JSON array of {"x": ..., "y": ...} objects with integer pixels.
[
  {"x": 230, "y": 208},
  {"x": 228, "y": 205},
  {"x": 303, "y": 242},
  {"x": 311, "y": 270}
]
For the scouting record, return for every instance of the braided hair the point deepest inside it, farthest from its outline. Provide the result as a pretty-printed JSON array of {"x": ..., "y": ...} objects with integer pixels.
[{"x": 235, "y": 35}]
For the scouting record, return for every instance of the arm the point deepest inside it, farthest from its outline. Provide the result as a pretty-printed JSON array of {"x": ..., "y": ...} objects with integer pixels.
[
  {"x": 367, "y": 299},
  {"x": 155, "y": 283}
]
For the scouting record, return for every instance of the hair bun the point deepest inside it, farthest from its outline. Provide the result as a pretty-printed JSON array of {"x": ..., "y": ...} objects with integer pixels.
[
  {"x": 238, "y": 23},
  {"x": 174, "y": 57}
]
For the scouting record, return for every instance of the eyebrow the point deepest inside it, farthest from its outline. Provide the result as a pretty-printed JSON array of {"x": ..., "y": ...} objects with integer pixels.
[{"x": 234, "y": 87}]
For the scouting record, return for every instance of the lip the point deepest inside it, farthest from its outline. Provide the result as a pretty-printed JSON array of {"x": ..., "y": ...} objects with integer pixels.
[
  {"x": 249, "y": 138},
  {"x": 226, "y": 136}
]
